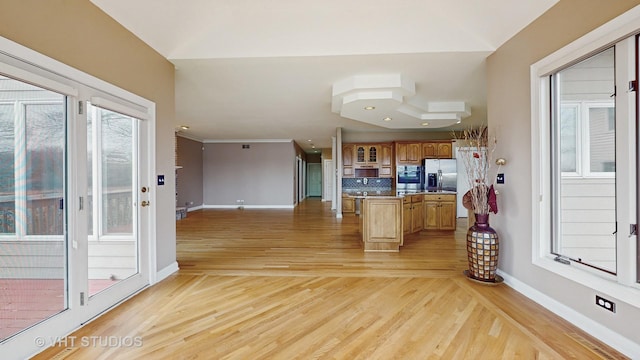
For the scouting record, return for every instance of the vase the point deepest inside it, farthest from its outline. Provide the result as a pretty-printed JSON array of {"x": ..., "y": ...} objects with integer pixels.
[{"x": 482, "y": 250}]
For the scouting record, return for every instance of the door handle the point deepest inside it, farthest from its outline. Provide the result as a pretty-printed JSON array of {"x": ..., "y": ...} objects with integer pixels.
[{"x": 145, "y": 203}]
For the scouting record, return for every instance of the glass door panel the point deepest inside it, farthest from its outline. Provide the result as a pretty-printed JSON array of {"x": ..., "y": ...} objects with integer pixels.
[
  {"x": 33, "y": 243},
  {"x": 112, "y": 167}
]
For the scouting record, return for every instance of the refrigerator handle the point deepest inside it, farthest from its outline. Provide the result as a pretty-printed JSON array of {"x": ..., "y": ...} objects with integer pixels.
[{"x": 439, "y": 179}]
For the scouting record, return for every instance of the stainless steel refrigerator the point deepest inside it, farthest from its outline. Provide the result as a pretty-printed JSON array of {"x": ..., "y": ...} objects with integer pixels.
[{"x": 439, "y": 174}]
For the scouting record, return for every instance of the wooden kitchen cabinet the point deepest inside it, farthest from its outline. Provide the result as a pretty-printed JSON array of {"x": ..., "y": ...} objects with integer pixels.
[
  {"x": 417, "y": 221},
  {"x": 367, "y": 154},
  {"x": 439, "y": 212},
  {"x": 448, "y": 215},
  {"x": 347, "y": 160},
  {"x": 429, "y": 150},
  {"x": 348, "y": 205},
  {"x": 406, "y": 217},
  {"x": 386, "y": 161},
  {"x": 408, "y": 153},
  {"x": 382, "y": 224},
  {"x": 412, "y": 216},
  {"x": 437, "y": 150},
  {"x": 445, "y": 150}
]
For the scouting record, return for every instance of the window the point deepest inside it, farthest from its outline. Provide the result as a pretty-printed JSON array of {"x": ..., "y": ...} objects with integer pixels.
[
  {"x": 583, "y": 182},
  {"x": 587, "y": 139},
  {"x": 584, "y": 160}
]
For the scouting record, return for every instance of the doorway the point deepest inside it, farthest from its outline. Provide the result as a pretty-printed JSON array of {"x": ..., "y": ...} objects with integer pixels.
[
  {"x": 314, "y": 179},
  {"x": 74, "y": 205}
]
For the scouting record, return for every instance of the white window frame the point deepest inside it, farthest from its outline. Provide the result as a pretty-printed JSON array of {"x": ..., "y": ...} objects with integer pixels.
[
  {"x": 583, "y": 143},
  {"x": 579, "y": 141},
  {"x": 586, "y": 141},
  {"x": 618, "y": 31}
]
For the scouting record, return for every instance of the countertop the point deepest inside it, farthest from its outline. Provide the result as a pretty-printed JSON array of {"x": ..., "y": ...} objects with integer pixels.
[
  {"x": 363, "y": 194},
  {"x": 390, "y": 193}
]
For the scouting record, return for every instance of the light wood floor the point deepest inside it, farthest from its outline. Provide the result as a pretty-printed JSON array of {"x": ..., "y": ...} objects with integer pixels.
[{"x": 282, "y": 284}]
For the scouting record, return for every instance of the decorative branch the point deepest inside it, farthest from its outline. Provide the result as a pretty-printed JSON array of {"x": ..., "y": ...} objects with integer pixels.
[{"x": 478, "y": 159}]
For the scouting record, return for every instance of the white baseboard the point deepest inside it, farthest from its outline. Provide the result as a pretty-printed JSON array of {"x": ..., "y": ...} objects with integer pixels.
[
  {"x": 199, "y": 207},
  {"x": 248, "y": 206},
  {"x": 611, "y": 338},
  {"x": 164, "y": 273}
]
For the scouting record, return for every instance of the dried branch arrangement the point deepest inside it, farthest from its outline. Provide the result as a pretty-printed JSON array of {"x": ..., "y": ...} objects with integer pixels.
[{"x": 477, "y": 157}]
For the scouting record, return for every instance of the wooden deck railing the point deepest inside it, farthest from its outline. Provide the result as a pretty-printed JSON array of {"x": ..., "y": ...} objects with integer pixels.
[{"x": 44, "y": 215}]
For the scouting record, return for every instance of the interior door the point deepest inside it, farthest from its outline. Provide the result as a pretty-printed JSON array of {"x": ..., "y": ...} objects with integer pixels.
[{"x": 314, "y": 179}]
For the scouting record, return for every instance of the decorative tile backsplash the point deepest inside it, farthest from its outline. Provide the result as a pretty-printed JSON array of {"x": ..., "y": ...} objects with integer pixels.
[{"x": 372, "y": 183}]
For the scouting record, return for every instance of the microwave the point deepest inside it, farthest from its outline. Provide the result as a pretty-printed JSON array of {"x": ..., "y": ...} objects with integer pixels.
[{"x": 409, "y": 176}]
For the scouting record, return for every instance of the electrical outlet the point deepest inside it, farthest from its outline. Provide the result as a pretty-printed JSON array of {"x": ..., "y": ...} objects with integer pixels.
[{"x": 607, "y": 304}]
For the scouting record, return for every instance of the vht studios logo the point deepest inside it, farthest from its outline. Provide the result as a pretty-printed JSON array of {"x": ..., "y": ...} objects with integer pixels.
[{"x": 90, "y": 341}]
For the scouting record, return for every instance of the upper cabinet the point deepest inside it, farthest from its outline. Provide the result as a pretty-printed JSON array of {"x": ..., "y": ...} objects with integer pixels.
[
  {"x": 412, "y": 153},
  {"x": 386, "y": 161},
  {"x": 437, "y": 150},
  {"x": 367, "y": 155},
  {"x": 408, "y": 153},
  {"x": 368, "y": 160},
  {"x": 347, "y": 160},
  {"x": 380, "y": 159}
]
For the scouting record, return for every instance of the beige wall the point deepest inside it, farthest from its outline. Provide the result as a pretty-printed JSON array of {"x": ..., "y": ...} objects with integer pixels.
[
  {"x": 509, "y": 117},
  {"x": 77, "y": 33}
]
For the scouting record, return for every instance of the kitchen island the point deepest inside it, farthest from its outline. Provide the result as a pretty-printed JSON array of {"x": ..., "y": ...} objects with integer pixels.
[
  {"x": 386, "y": 217},
  {"x": 381, "y": 223}
]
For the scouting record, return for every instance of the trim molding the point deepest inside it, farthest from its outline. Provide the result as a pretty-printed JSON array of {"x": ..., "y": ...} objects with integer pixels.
[
  {"x": 227, "y": 141},
  {"x": 189, "y": 137},
  {"x": 611, "y": 338},
  {"x": 164, "y": 273},
  {"x": 199, "y": 207}
]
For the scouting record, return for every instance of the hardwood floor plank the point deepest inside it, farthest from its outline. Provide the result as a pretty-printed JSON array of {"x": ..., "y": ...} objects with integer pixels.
[{"x": 283, "y": 284}]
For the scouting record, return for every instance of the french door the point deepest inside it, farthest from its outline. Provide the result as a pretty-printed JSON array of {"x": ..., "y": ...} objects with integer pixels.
[
  {"x": 74, "y": 209},
  {"x": 113, "y": 204}
]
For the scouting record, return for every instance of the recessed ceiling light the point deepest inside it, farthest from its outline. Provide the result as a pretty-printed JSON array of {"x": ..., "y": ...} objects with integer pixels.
[
  {"x": 425, "y": 124},
  {"x": 184, "y": 127},
  {"x": 459, "y": 121},
  {"x": 313, "y": 146},
  {"x": 309, "y": 140},
  {"x": 369, "y": 107},
  {"x": 387, "y": 119}
]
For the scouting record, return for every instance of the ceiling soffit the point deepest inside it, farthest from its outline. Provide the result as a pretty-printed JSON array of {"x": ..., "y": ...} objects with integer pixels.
[{"x": 389, "y": 101}]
